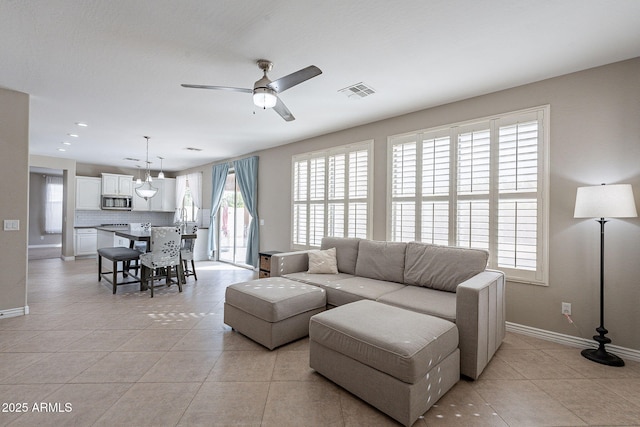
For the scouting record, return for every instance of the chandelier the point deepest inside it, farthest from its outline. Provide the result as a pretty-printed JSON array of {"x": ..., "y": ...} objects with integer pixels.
[{"x": 146, "y": 190}]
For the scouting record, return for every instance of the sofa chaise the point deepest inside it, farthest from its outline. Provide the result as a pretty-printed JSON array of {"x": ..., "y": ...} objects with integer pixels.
[{"x": 450, "y": 283}]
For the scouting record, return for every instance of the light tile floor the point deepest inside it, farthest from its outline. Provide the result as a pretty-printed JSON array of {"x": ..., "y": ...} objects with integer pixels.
[{"x": 129, "y": 360}]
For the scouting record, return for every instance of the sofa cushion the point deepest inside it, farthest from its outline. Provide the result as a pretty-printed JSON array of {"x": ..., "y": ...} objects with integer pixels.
[
  {"x": 442, "y": 267},
  {"x": 423, "y": 300},
  {"x": 346, "y": 252},
  {"x": 323, "y": 261},
  {"x": 381, "y": 260},
  {"x": 340, "y": 292},
  {"x": 317, "y": 279}
]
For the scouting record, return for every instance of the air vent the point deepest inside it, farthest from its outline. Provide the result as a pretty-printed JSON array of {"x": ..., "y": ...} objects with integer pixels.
[
  {"x": 357, "y": 91},
  {"x": 193, "y": 149},
  {"x": 132, "y": 159}
]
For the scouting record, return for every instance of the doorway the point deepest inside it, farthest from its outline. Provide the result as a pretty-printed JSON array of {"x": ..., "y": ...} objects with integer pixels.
[
  {"x": 45, "y": 229},
  {"x": 233, "y": 225}
]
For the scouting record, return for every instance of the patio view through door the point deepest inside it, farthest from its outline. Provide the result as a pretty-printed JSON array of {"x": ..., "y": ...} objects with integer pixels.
[{"x": 233, "y": 224}]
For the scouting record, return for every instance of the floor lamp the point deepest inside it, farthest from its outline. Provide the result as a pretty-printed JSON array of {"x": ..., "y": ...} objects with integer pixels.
[{"x": 604, "y": 201}]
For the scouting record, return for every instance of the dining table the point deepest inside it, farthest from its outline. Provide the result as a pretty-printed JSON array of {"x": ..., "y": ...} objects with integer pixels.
[{"x": 144, "y": 235}]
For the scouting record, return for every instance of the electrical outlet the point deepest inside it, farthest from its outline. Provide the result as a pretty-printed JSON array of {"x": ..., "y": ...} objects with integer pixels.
[{"x": 566, "y": 308}]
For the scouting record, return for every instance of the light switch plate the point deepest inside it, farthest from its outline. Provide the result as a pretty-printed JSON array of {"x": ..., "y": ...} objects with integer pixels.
[{"x": 11, "y": 224}]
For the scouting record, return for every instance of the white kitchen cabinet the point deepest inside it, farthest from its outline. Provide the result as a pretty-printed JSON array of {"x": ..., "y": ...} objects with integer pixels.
[
  {"x": 86, "y": 240},
  {"x": 155, "y": 203},
  {"x": 108, "y": 239},
  {"x": 117, "y": 185},
  {"x": 88, "y": 192},
  {"x": 169, "y": 195}
]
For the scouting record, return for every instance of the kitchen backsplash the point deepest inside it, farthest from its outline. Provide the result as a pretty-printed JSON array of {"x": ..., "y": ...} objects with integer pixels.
[{"x": 89, "y": 218}]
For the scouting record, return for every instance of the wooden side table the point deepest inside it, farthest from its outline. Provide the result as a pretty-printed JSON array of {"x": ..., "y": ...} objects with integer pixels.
[{"x": 265, "y": 263}]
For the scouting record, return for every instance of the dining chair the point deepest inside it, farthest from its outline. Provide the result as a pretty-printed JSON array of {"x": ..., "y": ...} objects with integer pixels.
[
  {"x": 163, "y": 256},
  {"x": 186, "y": 253}
]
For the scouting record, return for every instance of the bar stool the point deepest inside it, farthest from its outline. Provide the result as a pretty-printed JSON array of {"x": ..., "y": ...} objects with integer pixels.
[
  {"x": 186, "y": 253},
  {"x": 116, "y": 255}
]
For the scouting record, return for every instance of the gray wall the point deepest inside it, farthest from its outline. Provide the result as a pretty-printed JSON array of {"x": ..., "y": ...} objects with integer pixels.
[
  {"x": 595, "y": 138},
  {"x": 14, "y": 188}
]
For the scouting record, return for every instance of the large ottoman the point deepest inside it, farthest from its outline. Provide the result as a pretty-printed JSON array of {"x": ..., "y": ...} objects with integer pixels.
[
  {"x": 272, "y": 311},
  {"x": 397, "y": 360}
]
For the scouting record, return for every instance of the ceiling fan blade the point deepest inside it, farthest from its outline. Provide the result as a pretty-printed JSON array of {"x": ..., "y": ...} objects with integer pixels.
[
  {"x": 233, "y": 89},
  {"x": 286, "y": 82},
  {"x": 284, "y": 112}
]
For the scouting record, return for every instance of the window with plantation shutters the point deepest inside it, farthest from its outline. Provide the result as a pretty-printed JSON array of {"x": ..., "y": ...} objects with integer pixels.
[
  {"x": 331, "y": 194},
  {"x": 479, "y": 184}
]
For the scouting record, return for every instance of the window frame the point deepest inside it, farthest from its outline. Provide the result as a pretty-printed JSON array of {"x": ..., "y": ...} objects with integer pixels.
[
  {"x": 539, "y": 276},
  {"x": 323, "y": 201}
]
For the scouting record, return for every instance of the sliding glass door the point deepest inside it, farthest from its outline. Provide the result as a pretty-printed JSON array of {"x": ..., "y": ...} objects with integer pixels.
[{"x": 233, "y": 224}]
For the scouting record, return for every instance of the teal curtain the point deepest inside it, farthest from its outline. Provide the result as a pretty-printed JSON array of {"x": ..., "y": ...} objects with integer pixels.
[
  {"x": 247, "y": 178},
  {"x": 218, "y": 180}
]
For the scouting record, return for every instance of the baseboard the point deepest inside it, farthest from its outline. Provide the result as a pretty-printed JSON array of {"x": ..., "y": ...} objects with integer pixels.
[
  {"x": 13, "y": 312},
  {"x": 571, "y": 341}
]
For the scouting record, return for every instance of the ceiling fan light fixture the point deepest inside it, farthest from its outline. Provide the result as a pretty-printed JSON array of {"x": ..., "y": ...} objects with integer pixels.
[{"x": 264, "y": 97}]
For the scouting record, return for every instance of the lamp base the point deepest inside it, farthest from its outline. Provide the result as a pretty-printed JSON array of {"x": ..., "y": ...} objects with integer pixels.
[{"x": 600, "y": 355}]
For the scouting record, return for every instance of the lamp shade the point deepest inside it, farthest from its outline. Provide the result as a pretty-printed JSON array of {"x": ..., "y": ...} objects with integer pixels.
[
  {"x": 605, "y": 201},
  {"x": 146, "y": 190}
]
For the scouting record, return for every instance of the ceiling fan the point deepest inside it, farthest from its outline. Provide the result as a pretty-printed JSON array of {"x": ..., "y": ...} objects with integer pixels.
[{"x": 265, "y": 92}]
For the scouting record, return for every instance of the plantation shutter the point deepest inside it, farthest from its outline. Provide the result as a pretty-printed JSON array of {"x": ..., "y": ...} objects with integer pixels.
[
  {"x": 300, "y": 198},
  {"x": 519, "y": 148},
  {"x": 404, "y": 180},
  {"x": 473, "y": 185},
  {"x": 358, "y": 209},
  {"x": 476, "y": 184},
  {"x": 336, "y": 199},
  {"x": 434, "y": 226}
]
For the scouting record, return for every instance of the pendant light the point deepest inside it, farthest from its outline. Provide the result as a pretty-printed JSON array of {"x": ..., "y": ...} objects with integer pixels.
[
  {"x": 146, "y": 190},
  {"x": 139, "y": 179},
  {"x": 161, "y": 174}
]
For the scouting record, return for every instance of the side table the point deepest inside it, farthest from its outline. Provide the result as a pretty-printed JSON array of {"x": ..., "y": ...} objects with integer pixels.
[{"x": 265, "y": 263}]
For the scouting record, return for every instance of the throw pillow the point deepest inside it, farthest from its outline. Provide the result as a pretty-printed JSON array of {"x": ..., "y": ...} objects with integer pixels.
[{"x": 323, "y": 262}]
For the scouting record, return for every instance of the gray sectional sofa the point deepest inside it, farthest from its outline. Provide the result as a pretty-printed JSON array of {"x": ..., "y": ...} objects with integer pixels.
[{"x": 446, "y": 282}]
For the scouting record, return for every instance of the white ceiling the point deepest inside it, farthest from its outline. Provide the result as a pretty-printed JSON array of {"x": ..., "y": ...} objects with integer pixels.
[{"x": 118, "y": 65}]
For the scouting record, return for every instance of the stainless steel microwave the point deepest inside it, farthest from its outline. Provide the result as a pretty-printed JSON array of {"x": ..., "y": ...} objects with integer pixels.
[{"x": 122, "y": 203}]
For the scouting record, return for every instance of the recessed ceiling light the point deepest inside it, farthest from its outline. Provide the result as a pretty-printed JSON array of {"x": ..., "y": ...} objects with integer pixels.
[
  {"x": 72, "y": 135},
  {"x": 66, "y": 143},
  {"x": 84, "y": 125},
  {"x": 62, "y": 149}
]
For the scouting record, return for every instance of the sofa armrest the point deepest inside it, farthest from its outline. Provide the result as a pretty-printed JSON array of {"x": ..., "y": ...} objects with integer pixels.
[
  {"x": 480, "y": 317},
  {"x": 289, "y": 262}
]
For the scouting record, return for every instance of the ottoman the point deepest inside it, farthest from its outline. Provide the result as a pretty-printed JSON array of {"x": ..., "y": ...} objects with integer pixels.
[
  {"x": 397, "y": 360},
  {"x": 272, "y": 311}
]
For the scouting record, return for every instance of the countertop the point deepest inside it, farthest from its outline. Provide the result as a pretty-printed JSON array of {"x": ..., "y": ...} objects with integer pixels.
[{"x": 115, "y": 228}]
